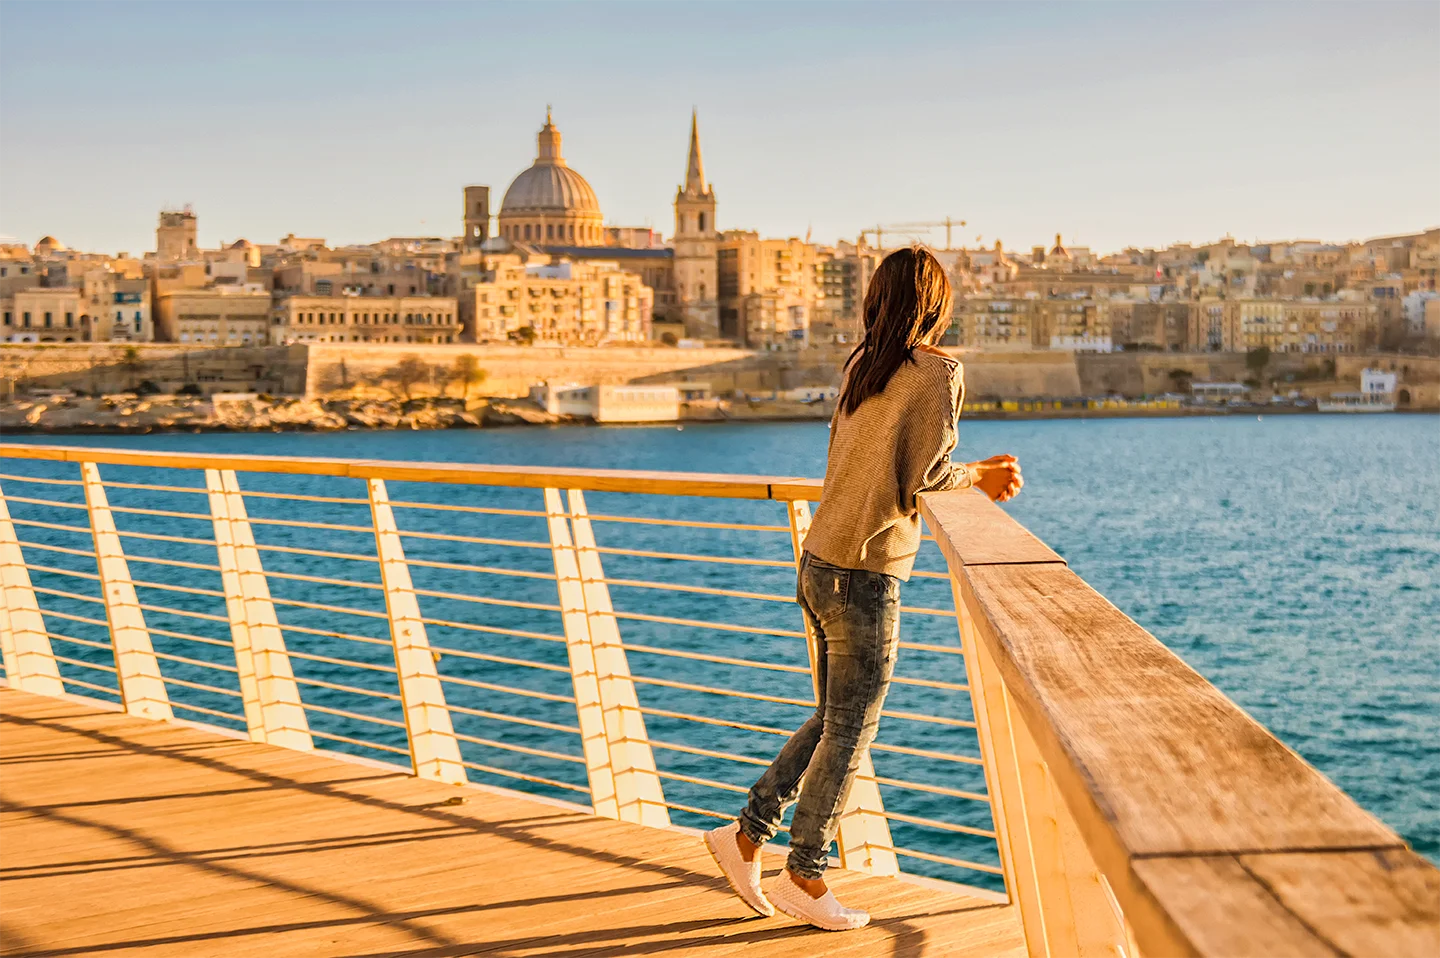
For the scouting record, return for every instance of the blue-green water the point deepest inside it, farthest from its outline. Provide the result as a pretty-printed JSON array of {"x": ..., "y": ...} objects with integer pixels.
[{"x": 1293, "y": 561}]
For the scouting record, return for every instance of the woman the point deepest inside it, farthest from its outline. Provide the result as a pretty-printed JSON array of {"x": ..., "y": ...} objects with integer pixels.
[{"x": 890, "y": 439}]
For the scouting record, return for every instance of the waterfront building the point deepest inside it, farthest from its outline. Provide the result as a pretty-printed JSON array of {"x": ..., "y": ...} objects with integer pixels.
[
  {"x": 627, "y": 403},
  {"x": 1145, "y": 325},
  {"x": 116, "y": 307},
  {"x": 561, "y": 301},
  {"x": 841, "y": 275},
  {"x": 355, "y": 318},
  {"x": 43, "y": 315},
  {"x": 1073, "y": 324},
  {"x": 1414, "y": 307},
  {"x": 1431, "y": 324},
  {"x": 215, "y": 316},
  {"x": 175, "y": 236},
  {"x": 984, "y": 322},
  {"x": 768, "y": 288},
  {"x": 1261, "y": 324},
  {"x": 1220, "y": 393},
  {"x": 1215, "y": 326},
  {"x": 17, "y": 269},
  {"x": 1329, "y": 326},
  {"x": 359, "y": 272}
]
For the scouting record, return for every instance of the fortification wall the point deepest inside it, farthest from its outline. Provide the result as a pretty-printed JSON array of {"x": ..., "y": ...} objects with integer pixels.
[
  {"x": 1020, "y": 375},
  {"x": 118, "y": 367},
  {"x": 511, "y": 370},
  {"x": 316, "y": 369},
  {"x": 1414, "y": 370}
]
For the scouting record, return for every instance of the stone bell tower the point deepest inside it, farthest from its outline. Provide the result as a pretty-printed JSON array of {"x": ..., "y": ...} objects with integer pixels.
[
  {"x": 477, "y": 216},
  {"x": 697, "y": 243}
]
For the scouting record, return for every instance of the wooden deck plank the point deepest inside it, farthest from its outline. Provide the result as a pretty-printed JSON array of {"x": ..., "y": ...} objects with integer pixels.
[{"x": 128, "y": 837}]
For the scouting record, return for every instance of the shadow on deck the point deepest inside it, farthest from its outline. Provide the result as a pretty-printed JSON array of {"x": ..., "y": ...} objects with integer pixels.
[{"x": 123, "y": 836}]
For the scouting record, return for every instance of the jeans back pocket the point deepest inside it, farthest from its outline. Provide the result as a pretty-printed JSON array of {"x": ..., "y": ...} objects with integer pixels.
[{"x": 827, "y": 589}]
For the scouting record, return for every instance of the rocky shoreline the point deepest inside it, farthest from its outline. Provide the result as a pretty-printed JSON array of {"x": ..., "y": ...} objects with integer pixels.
[
  {"x": 149, "y": 414},
  {"x": 144, "y": 414}
]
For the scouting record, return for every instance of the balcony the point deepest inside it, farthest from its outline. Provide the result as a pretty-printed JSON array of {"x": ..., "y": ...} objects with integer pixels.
[{"x": 604, "y": 675}]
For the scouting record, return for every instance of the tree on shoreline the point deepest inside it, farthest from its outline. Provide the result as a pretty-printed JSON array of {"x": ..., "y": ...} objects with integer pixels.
[
  {"x": 405, "y": 375},
  {"x": 1257, "y": 359},
  {"x": 130, "y": 359},
  {"x": 467, "y": 373}
]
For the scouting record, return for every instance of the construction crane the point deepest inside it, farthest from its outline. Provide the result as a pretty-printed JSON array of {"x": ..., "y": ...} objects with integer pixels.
[{"x": 904, "y": 228}]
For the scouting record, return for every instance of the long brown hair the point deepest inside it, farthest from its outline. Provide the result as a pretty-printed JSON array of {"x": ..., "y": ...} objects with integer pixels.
[{"x": 907, "y": 304}]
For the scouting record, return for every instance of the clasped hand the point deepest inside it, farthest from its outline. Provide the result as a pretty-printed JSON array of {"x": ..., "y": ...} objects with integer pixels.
[{"x": 998, "y": 477}]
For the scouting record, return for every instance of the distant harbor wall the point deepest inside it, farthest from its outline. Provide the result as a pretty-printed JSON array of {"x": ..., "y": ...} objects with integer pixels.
[
  {"x": 320, "y": 369},
  {"x": 512, "y": 370},
  {"x": 120, "y": 367}
]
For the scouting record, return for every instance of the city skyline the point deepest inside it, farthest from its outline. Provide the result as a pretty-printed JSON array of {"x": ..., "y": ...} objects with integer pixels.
[{"x": 1100, "y": 122}]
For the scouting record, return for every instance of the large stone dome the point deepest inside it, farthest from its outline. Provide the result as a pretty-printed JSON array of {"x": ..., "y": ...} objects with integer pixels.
[
  {"x": 548, "y": 187},
  {"x": 550, "y": 203}
]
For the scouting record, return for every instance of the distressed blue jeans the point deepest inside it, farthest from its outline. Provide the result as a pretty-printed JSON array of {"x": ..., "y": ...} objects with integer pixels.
[{"x": 855, "y": 617}]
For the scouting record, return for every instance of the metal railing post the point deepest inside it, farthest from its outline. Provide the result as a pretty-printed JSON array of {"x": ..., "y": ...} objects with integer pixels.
[
  {"x": 864, "y": 835},
  {"x": 29, "y": 660},
  {"x": 274, "y": 712},
  {"x": 590, "y": 715},
  {"x": 142, "y": 688},
  {"x": 1002, "y": 779},
  {"x": 434, "y": 750},
  {"x": 638, "y": 793}
]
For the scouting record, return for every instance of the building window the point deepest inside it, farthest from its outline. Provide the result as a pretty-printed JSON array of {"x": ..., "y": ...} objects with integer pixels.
[
  {"x": 47, "y": 321},
  {"x": 702, "y": 223},
  {"x": 7, "y": 317},
  {"x": 527, "y": 231}
]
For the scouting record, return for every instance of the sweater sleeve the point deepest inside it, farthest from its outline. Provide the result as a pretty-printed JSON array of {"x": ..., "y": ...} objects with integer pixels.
[{"x": 940, "y": 474}]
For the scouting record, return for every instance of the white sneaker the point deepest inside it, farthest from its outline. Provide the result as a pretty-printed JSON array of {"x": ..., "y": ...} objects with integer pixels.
[
  {"x": 824, "y": 912},
  {"x": 744, "y": 877}
]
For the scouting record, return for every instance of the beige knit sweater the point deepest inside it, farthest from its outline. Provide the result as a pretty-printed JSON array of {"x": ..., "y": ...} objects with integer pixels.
[{"x": 895, "y": 446}]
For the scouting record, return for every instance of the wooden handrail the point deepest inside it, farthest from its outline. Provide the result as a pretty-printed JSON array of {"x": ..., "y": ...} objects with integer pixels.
[
  {"x": 1214, "y": 837},
  {"x": 713, "y": 485}
]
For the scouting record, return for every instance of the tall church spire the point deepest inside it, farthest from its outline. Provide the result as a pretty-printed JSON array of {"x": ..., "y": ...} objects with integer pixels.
[{"x": 695, "y": 171}]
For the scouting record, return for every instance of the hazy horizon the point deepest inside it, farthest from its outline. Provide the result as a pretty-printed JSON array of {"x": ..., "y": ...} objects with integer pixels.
[{"x": 1113, "y": 124}]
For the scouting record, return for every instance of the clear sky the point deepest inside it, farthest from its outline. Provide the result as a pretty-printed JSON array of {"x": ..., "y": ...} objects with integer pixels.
[{"x": 1114, "y": 124}]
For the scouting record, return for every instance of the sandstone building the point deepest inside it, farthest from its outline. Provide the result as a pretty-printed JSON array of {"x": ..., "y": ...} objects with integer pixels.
[
  {"x": 175, "y": 236},
  {"x": 561, "y": 301},
  {"x": 218, "y": 316},
  {"x": 364, "y": 319}
]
